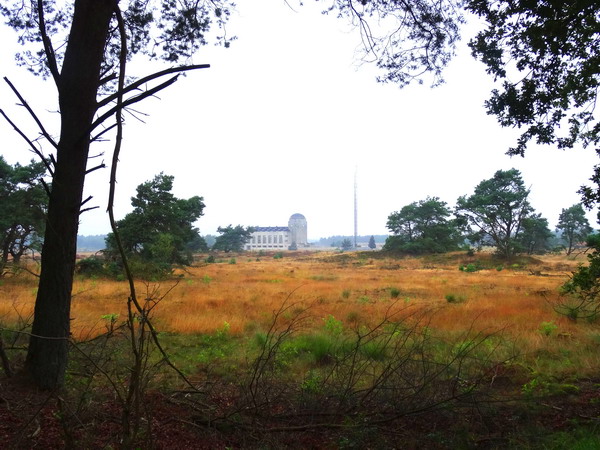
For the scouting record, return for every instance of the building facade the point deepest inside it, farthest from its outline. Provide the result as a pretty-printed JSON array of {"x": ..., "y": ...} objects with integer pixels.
[{"x": 280, "y": 238}]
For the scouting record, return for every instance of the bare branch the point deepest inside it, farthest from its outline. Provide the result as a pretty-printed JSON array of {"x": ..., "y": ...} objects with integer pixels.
[
  {"x": 99, "y": 166},
  {"x": 48, "y": 49},
  {"x": 31, "y": 144},
  {"x": 135, "y": 85},
  {"x": 132, "y": 100},
  {"x": 88, "y": 209},
  {"x": 33, "y": 115}
]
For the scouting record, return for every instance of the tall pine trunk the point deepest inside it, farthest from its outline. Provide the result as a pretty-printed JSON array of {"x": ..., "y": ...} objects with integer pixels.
[{"x": 78, "y": 85}]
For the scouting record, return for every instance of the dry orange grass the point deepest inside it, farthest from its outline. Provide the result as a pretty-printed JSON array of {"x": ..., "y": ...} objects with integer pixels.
[{"x": 352, "y": 289}]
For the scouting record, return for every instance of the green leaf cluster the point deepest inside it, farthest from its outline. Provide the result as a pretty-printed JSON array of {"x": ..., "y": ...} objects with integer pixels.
[
  {"x": 232, "y": 239},
  {"x": 23, "y": 205},
  {"x": 160, "y": 227},
  {"x": 423, "y": 227},
  {"x": 546, "y": 55}
]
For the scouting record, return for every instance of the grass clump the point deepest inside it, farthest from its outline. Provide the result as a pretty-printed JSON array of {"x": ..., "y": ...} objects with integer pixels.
[{"x": 454, "y": 298}]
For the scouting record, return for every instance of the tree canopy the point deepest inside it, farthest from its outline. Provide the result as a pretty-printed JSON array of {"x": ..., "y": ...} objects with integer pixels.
[
  {"x": 23, "y": 203},
  {"x": 536, "y": 237},
  {"x": 372, "y": 244},
  {"x": 574, "y": 226},
  {"x": 423, "y": 227},
  {"x": 496, "y": 211},
  {"x": 160, "y": 227},
  {"x": 546, "y": 54},
  {"x": 232, "y": 239}
]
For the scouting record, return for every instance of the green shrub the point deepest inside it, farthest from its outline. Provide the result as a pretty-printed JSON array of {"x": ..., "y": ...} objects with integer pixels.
[
  {"x": 232, "y": 261},
  {"x": 346, "y": 293},
  {"x": 453, "y": 298},
  {"x": 210, "y": 259},
  {"x": 471, "y": 267},
  {"x": 318, "y": 346},
  {"x": 91, "y": 266},
  {"x": 548, "y": 328},
  {"x": 394, "y": 292},
  {"x": 278, "y": 255},
  {"x": 332, "y": 325}
]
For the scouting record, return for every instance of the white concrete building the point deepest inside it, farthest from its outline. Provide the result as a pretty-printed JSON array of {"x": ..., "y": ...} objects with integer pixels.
[{"x": 280, "y": 238}]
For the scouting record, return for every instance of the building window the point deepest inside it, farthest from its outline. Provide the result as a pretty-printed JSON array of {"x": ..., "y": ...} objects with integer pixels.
[
  {"x": 269, "y": 239},
  {"x": 259, "y": 239}
]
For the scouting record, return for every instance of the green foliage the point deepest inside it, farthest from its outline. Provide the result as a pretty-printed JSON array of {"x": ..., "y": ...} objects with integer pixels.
[
  {"x": 372, "y": 244},
  {"x": 232, "y": 239},
  {"x": 582, "y": 291},
  {"x": 548, "y": 328},
  {"x": 471, "y": 267},
  {"x": 332, "y": 325},
  {"x": 394, "y": 292},
  {"x": 210, "y": 259},
  {"x": 496, "y": 211},
  {"x": 574, "y": 226},
  {"x": 423, "y": 227},
  {"x": 346, "y": 244},
  {"x": 554, "y": 48},
  {"x": 278, "y": 255},
  {"x": 91, "y": 266},
  {"x": 159, "y": 230},
  {"x": 453, "y": 298},
  {"x": 23, "y": 204},
  {"x": 535, "y": 237},
  {"x": 346, "y": 293}
]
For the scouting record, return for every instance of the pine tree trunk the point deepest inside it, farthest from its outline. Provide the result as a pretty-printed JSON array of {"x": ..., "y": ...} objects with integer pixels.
[{"x": 77, "y": 87}]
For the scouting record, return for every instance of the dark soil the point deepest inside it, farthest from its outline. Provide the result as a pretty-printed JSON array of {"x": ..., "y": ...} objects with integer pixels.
[{"x": 31, "y": 419}]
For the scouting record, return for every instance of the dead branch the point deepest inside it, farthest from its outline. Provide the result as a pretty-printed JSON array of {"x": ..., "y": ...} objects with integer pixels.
[
  {"x": 31, "y": 113},
  {"x": 31, "y": 144}
]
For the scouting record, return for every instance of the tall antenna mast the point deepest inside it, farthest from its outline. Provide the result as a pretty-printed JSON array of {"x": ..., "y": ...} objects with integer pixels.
[{"x": 355, "y": 210}]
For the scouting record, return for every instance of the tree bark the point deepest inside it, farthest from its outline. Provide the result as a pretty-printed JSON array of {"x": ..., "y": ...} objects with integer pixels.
[{"x": 77, "y": 90}]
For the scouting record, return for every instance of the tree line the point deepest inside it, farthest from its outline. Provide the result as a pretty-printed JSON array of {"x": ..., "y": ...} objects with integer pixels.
[{"x": 497, "y": 214}]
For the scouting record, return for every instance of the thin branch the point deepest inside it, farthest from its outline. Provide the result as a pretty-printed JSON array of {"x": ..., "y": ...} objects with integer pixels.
[
  {"x": 132, "y": 100},
  {"x": 135, "y": 85},
  {"x": 99, "y": 166},
  {"x": 33, "y": 114},
  {"x": 31, "y": 144},
  {"x": 88, "y": 209},
  {"x": 85, "y": 201},
  {"x": 106, "y": 130},
  {"x": 48, "y": 49}
]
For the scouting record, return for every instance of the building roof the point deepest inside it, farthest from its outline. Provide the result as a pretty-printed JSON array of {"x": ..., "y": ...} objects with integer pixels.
[
  {"x": 297, "y": 216},
  {"x": 263, "y": 229}
]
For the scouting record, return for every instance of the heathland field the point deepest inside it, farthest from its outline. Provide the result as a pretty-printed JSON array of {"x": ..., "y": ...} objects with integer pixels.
[
  {"x": 242, "y": 292},
  {"x": 322, "y": 350}
]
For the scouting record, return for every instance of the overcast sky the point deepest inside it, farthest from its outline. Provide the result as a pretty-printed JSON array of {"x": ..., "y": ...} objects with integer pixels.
[{"x": 281, "y": 121}]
